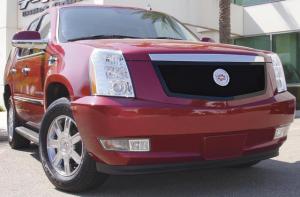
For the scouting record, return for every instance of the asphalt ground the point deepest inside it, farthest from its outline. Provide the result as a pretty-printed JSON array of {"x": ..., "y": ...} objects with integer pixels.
[{"x": 21, "y": 174}]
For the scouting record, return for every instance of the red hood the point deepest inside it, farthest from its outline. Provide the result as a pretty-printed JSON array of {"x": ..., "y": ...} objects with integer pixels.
[{"x": 140, "y": 49}]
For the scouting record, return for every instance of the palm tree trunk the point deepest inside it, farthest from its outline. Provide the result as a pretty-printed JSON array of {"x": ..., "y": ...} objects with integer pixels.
[{"x": 224, "y": 21}]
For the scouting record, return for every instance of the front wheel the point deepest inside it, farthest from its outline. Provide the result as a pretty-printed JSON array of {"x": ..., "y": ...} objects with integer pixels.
[{"x": 64, "y": 157}]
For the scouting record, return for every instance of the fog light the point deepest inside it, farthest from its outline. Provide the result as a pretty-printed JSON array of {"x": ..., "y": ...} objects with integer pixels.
[
  {"x": 126, "y": 145},
  {"x": 281, "y": 132}
]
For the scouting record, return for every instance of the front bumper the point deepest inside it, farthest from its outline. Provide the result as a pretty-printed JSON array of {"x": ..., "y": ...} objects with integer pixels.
[
  {"x": 149, "y": 169},
  {"x": 181, "y": 133}
]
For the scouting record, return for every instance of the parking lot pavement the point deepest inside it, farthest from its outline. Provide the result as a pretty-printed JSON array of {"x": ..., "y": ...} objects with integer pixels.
[
  {"x": 2, "y": 126},
  {"x": 21, "y": 174}
]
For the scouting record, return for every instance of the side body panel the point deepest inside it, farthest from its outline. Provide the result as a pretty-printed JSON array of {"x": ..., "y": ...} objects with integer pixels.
[{"x": 28, "y": 87}]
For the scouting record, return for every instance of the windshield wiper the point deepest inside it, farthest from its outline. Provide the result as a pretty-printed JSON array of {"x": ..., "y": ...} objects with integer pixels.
[
  {"x": 167, "y": 38},
  {"x": 102, "y": 37}
]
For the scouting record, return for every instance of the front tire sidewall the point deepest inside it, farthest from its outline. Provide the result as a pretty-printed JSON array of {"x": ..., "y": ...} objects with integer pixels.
[{"x": 58, "y": 108}]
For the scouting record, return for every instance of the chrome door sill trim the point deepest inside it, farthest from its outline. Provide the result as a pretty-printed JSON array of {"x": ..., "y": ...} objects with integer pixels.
[
  {"x": 29, "y": 100},
  {"x": 32, "y": 55}
]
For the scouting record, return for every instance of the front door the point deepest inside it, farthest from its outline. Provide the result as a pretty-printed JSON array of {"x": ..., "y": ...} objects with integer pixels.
[
  {"x": 30, "y": 77},
  {"x": 28, "y": 89}
]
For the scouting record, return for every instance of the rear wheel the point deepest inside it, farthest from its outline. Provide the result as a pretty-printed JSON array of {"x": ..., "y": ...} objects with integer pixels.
[
  {"x": 15, "y": 140},
  {"x": 64, "y": 157}
]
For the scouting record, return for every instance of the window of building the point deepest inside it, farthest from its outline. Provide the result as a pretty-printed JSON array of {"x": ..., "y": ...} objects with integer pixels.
[
  {"x": 253, "y": 2},
  {"x": 258, "y": 42},
  {"x": 287, "y": 46}
]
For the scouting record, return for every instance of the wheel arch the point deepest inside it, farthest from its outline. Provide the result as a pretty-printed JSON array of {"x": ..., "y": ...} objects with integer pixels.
[{"x": 57, "y": 86}]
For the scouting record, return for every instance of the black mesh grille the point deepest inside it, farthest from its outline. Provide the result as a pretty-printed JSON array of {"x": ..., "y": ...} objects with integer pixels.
[{"x": 196, "y": 79}]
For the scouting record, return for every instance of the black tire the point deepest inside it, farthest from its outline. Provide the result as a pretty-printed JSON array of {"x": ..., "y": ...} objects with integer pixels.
[
  {"x": 15, "y": 140},
  {"x": 246, "y": 165},
  {"x": 86, "y": 177}
]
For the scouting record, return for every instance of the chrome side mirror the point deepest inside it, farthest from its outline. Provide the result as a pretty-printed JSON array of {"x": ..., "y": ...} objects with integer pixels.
[{"x": 29, "y": 39}]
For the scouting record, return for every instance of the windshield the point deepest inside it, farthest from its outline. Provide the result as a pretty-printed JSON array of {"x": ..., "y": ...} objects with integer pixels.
[{"x": 105, "y": 22}]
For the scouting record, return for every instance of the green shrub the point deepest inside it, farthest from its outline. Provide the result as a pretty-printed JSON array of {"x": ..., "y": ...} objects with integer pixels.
[{"x": 2, "y": 109}]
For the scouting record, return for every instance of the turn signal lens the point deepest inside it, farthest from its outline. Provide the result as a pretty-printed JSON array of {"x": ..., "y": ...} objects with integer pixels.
[
  {"x": 109, "y": 74},
  {"x": 126, "y": 145},
  {"x": 281, "y": 132}
]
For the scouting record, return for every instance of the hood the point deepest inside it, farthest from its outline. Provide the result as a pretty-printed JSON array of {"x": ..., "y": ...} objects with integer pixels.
[{"x": 139, "y": 49}]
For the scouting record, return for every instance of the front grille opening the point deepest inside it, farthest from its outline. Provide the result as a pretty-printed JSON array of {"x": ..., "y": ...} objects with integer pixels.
[{"x": 196, "y": 79}]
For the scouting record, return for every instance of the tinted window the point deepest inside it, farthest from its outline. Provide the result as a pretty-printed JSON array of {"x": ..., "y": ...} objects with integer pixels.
[{"x": 81, "y": 22}]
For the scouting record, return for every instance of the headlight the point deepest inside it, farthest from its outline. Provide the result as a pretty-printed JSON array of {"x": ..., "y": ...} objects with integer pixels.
[
  {"x": 109, "y": 74},
  {"x": 279, "y": 73}
]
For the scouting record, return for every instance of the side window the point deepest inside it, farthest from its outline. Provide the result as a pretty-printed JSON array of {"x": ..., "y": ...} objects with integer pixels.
[
  {"x": 44, "y": 27},
  {"x": 34, "y": 26}
]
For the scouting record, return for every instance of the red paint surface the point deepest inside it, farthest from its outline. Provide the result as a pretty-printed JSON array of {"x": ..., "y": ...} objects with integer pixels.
[{"x": 180, "y": 129}]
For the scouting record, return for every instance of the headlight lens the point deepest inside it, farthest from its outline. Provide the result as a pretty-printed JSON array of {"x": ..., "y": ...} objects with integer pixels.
[
  {"x": 109, "y": 74},
  {"x": 279, "y": 73}
]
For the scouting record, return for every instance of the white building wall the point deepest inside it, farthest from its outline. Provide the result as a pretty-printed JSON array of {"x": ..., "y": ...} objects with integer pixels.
[
  {"x": 282, "y": 16},
  {"x": 8, "y": 26}
]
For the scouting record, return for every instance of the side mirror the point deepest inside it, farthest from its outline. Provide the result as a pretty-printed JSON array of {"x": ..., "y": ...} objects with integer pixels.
[
  {"x": 29, "y": 39},
  {"x": 207, "y": 39}
]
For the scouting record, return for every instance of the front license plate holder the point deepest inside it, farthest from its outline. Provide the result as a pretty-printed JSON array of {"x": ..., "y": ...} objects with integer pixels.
[{"x": 224, "y": 147}]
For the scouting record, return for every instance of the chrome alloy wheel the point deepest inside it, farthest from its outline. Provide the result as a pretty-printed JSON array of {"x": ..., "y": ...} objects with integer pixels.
[
  {"x": 64, "y": 146},
  {"x": 10, "y": 123}
]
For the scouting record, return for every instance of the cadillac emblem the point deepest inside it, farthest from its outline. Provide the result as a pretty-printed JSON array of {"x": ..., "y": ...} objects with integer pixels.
[{"x": 221, "y": 77}]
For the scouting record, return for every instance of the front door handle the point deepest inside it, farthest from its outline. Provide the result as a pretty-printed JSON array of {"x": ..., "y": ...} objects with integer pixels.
[{"x": 25, "y": 71}]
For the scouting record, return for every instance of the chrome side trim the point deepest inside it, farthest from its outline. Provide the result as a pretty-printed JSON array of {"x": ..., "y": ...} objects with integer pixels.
[
  {"x": 29, "y": 56},
  {"x": 206, "y": 58},
  {"x": 30, "y": 44},
  {"x": 29, "y": 100}
]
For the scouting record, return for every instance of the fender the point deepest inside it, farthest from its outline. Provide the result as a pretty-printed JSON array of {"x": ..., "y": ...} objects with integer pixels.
[{"x": 58, "y": 78}]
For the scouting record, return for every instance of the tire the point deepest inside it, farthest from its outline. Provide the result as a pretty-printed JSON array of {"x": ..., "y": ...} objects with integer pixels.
[
  {"x": 84, "y": 175},
  {"x": 246, "y": 165},
  {"x": 15, "y": 140}
]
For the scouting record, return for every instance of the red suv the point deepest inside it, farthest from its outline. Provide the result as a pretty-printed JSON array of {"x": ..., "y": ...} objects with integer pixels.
[{"x": 120, "y": 90}]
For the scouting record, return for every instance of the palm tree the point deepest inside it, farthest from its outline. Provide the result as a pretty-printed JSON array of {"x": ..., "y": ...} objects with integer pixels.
[
  {"x": 224, "y": 21},
  {"x": 160, "y": 17}
]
